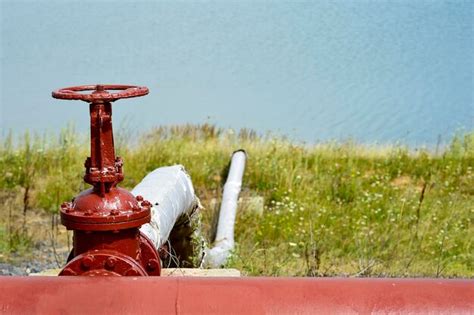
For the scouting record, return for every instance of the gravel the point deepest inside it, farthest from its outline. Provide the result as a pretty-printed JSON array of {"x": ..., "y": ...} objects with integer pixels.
[{"x": 41, "y": 258}]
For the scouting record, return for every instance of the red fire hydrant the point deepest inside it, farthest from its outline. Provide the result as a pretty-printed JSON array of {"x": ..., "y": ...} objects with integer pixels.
[{"x": 106, "y": 219}]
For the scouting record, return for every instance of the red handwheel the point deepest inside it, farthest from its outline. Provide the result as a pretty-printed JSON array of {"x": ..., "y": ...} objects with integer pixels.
[{"x": 100, "y": 92}]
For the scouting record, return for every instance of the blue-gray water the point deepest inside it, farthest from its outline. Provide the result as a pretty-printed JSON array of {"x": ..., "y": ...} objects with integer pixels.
[{"x": 374, "y": 71}]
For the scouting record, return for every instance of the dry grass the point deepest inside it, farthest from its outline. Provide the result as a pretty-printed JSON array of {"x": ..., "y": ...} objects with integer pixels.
[{"x": 329, "y": 209}]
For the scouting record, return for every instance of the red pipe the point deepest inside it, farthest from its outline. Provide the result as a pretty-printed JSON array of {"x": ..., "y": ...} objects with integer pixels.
[{"x": 175, "y": 295}]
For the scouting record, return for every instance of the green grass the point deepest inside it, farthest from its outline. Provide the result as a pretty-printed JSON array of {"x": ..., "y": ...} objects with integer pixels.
[{"x": 330, "y": 209}]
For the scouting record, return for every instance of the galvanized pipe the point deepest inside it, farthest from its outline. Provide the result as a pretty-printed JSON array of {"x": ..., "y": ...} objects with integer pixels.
[{"x": 117, "y": 295}]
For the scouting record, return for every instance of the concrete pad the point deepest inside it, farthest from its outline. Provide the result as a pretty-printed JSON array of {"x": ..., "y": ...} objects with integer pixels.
[{"x": 170, "y": 272}]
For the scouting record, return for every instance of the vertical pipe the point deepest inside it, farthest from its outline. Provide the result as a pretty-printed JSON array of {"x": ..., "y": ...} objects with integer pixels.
[{"x": 224, "y": 242}]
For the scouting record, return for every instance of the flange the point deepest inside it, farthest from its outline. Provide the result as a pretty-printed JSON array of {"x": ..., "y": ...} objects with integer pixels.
[{"x": 103, "y": 263}]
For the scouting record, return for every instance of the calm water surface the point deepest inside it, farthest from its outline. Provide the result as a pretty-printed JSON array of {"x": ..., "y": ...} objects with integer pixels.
[{"x": 374, "y": 71}]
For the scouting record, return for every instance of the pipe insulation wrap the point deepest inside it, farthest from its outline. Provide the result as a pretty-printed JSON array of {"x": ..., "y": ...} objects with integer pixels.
[
  {"x": 224, "y": 242},
  {"x": 171, "y": 193}
]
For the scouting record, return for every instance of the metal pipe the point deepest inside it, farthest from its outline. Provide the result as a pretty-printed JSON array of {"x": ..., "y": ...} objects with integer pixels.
[
  {"x": 181, "y": 295},
  {"x": 224, "y": 242},
  {"x": 171, "y": 193}
]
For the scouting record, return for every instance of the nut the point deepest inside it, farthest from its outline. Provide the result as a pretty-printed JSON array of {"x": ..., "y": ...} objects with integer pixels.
[
  {"x": 110, "y": 263},
  {"x": 152, "y": 264},
  {"x": 146, "y": 204},
  {"x": 67, "y": 207},
  {"x": 87, "y": 261}
]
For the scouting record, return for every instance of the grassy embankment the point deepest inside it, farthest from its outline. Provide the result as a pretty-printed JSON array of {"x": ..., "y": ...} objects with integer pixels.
[{"x": 330, "y": 209}]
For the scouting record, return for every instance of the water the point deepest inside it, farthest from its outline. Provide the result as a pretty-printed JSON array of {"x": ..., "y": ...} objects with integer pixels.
[{"x": 372, "y": 71}]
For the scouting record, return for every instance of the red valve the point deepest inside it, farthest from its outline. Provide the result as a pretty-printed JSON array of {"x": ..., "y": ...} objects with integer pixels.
[
  {"x": 100, "y": 92},
  {"x": 103, "y": 169},
  {"x": 106, "y": 219}
]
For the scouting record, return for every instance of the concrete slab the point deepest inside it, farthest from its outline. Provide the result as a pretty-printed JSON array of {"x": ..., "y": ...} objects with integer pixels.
[{"x": 170, "y": 272}]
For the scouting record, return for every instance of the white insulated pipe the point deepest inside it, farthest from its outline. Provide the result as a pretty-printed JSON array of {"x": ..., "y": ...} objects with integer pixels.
[
  {"x": 171, "y": 193},
  {"x": 224, "y": 243}
]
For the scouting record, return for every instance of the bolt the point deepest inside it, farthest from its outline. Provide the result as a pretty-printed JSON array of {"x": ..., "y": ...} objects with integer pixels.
[
  {"x": 146, "y": 204},
  {"x": 139, "y": 198},
  {"x": 110, "y": 263},
  {"x": 131, "y": 272},
  {"x": 87, "y": 261},
  {"x": 152, "y": 264},
  {"x": 67, "y": 207}
]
